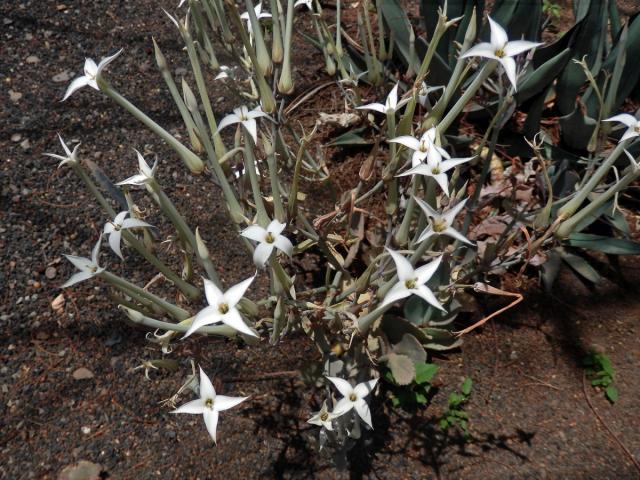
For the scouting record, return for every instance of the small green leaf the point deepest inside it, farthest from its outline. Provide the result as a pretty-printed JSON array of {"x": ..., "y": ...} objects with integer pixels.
[
  {"x": 581, "y": 267},
  {"x": 467, "y": 385},
  {"x": 425, "y": 372},
  {"x": 611, "y": 393}
]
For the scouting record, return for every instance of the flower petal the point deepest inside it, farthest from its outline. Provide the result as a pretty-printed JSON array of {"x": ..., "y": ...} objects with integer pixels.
[
  {"x": 95, "y": 251},
  {"x": 516, "y": 47},
  {"x": 283, "y": 244},
  {"x": 106, "y": 61},
  {"x": 252, "y": 128},
  {"x": 90, "y": 67},
  {"x": 342, "y": 385},
  {"x": 509, "y": 65},
  {"x": 77, "y": 278},
  {"x": 364, "y": 412},
  {"x": 630, "y": 133},
  {"x": 211, "y": 422},
  {"x": 233, "y": 319},
  {"x": 498, "y": 35},
  {"x": 365, "y": 388},
  {"x": 421, "y": 169},
  {"x": 426, "y": 234},
  {"x": 135, "y": 223},
  {"x": 343, "y": 406},
  {"x": 378, "y": 107},
  {"x": 206, "y": 387},
  {"x": 397, "y": 292},
  {"x": 133, "y": 180},
  {"x": 453, "y": 212},
  {"x": 76, "y": 84},
  {"x": 222, "y": 402},
  {"x": 262, "y": 253},
  {"x": 453, "y": 233},
  {"x": 408, "y": 141},
  {"x": 235, "y": 293},
  {"x": 485, "y": 50},
  {"x": 627, "y": 119},
  {"x": 392, "y": 98},
  {"x": 228, "y": 120},
  {"x": 442, "y": 180},
  {"x": 81, "y": 263},
  {"x": 212, "y": 292},
  {"x": 120, "y": 217},
  {"x": 447, "y": 165},
  {"x": 206, "y": 316},
  {"x": 425, "y": 272},
  {"x": 254, "y": 232},
  {"x": 114, "y": 242},
  {"x": 427, "y": 209},
  {"x": 195, "y": 407},
  {"x": 403, "y": 267},
  {"x": 427, "y": 295},
  {"x": 276, "y": 227}
]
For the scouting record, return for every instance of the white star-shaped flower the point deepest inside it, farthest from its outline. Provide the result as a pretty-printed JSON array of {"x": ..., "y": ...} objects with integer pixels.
[
  {"x": 632, "y": 123},
  {"x": 412, "y": 281},
  {"x": 68, "y": 157},
  {"x": 425, "y": 90},
  {"x": 209, "y": 404},
  {"x": 114, "y": 230},
  {"x": 353, "y": 398},
  {"x": 426, "y": 149},
  {"x": 323, "y": 418},
  {"x": 144, "y": 175},
  {"x": 222, "y": 308},
  {"x": 390, "y": 105},
  {"x": 88, "y": 267},
  {"x": 306, "y": 3},
  {"x": 246, "y": 117},
  {"x": 440, "y": 224},
  {"x": 501, "y": 49},
  {"x": 259, "y": 14},
  {"x": 423, "y": 147},
  {"x": 91, "y": 74},
  {"x": 268, "y": 239}
]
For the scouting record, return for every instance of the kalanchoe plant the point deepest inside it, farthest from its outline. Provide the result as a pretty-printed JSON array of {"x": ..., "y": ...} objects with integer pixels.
[{"x": 350, "y": 314}]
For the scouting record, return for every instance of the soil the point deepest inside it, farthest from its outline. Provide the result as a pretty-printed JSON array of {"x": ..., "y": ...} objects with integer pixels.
[{"x": 531, "y": 413}]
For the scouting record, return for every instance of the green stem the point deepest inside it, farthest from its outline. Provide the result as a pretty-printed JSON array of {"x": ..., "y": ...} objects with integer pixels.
[
  {"x": 250, "y": 169},
  {"x": 191, "y": 160},
  {"x": 126, "y": 286},
  {"x": 182, "y": 327}
]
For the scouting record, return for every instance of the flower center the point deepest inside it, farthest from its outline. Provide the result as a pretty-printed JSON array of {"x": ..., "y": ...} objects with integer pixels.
[
  {"x": 93, "y": 269},
  {"x": 324, "y": 416},
  {"x": 424, "y": 147},
  {"x": 209, "y": 403},
  {"x": 637, "y": 128},
  {"x": 223, "y": 308},
  {"x": 439, "y": 225},
  {"x": 435, "y": 170},
  {"x": 269, "y": 238},
  {"x": 499, "y": 53},
  {"x": 353, "y": 397},
  {"x": 411, "y": 283}
]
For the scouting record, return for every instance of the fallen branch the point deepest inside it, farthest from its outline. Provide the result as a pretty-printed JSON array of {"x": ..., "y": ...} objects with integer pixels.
[{"x": 484, "y": 288}]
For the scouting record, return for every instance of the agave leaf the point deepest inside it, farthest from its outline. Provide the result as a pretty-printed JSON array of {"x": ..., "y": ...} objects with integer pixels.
[
  {"x": 600, "y": 243},
  {"x": 520, "y": 19},
  {"x": 577, "y": 128},
  {"x": 580, "y": 266},
  {"x": 543, "y": 76},
  {"x": 398, "y": 23},
  {"x": 589, "y": 43}
]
